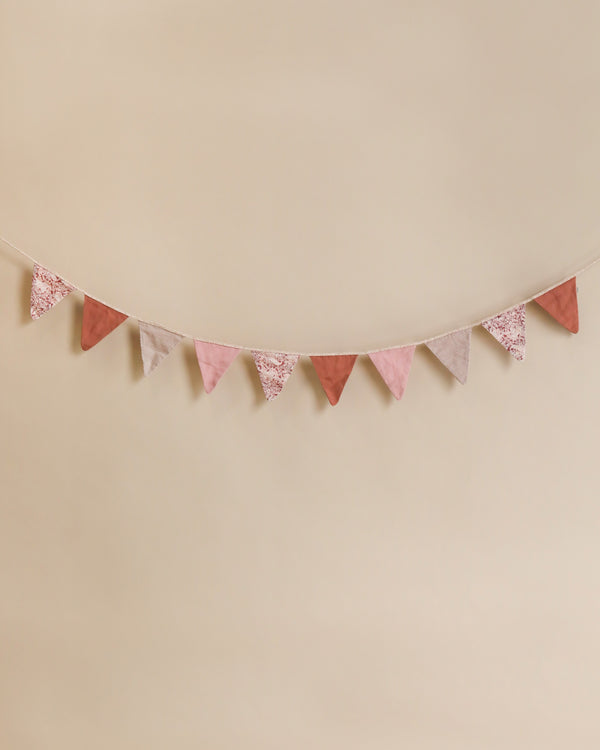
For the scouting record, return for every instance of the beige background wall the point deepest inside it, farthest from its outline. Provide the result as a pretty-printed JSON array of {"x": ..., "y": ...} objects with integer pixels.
[{"x": 193, "y": 571}]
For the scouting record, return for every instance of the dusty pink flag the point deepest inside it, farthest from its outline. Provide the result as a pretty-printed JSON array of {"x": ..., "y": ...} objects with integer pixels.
[
  {"x": 47, "y": 290},
  {"x": 509, "y": 329},
  {"x": 453, "y": 351},
  {"x": 157, "y": 343},
  {"x": 394, "y": 367},
  {"x": 274, "y": 369},
  {"x": 214, "y": 360}
]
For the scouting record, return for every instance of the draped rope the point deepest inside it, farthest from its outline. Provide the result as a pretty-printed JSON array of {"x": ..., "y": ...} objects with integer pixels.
[{"x": 308, "y": 354}]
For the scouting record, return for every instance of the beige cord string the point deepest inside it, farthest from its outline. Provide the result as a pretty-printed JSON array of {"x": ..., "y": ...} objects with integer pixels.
[{"x": 326, "y": 354}]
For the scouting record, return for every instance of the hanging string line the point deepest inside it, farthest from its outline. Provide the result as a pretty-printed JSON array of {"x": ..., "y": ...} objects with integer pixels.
[{"x": 308, "y": 354}]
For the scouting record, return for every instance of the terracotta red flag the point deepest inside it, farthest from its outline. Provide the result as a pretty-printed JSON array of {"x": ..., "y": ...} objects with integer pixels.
[
  {"x": 394, "y": 366},
  {"x": 214, "y": 360},
  {"x": 561, "y": 303},
  {"x": 333, "y": 373},
  {"x": 98, "y": 321}
]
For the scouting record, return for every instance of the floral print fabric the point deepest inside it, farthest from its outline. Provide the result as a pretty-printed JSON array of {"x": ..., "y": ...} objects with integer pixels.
[
  {"x": 47, "y": 290},
  {"x": 509, "y": 329},
  {"x": 274, "y": 369}
]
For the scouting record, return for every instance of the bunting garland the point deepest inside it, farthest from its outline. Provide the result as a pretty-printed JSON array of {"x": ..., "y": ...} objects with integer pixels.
[{"x": 333, "y": 370}]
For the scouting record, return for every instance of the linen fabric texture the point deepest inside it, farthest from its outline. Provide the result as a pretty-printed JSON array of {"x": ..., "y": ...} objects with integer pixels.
[
  {"x": 333, "y": 372},
  {"x": 453, "y": 351},
  {"x": 214, "y": 360},
  {"x": 98, "y": 321},
  {"x": 394, "y": 367},
  {"x": 156, "y": 344},
  {"x": 562, "y": 304}
]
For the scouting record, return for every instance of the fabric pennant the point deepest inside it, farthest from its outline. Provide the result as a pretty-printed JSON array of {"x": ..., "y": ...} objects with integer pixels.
[
  {"x": 394, "y": 367},
  {"x": 156, "y": 344},
  {"x": 47, "y": 290},
  {"x": 509, "y": 329},
  {"x": 333, "y": 373},
  {"x": 214, "y": 360},
  {"x": 274, "y": 369},
  {"x": 561, "y": 303},
  {"x": 453, "y": 351},
  {"x": 98, "y": 321}
]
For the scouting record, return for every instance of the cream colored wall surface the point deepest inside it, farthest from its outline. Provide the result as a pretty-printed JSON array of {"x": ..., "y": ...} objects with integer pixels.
[{"x": 190, "y": 571}]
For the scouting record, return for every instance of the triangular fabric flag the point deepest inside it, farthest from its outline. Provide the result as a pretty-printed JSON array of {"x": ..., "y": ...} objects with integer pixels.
[
  {"x": 394, "y": 367},
  {"x": 453, "y": 351},
  {"x": 274, "y": 369},
  {"x": 509, "y": 329},
  {"x": 333, "y": 373},
  {"x": 47, "y": 290},
  {"x": 156, "y": 343},
  {"x": 214, "y": 360},
  {"x": 561, "y": 303},
  {"x": 98, "y": 321}
]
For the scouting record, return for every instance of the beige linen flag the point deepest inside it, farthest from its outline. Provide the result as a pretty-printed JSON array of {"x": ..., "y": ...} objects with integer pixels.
[
  {"x": 453, "y": 351},
  {"x": 156, "y": 344}
]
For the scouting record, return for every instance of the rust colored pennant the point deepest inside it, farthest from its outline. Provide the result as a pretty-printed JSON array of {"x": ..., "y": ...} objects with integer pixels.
[
  {"x": 561, "y": 303},
  {"x": 98, "y": 321},
  {"x": 333, "y": 373}
]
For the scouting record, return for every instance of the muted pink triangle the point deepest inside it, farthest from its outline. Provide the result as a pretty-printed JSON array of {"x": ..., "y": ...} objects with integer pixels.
[
  {"x": 394, "y": 367},
  {"x": 214, "y": 361}
]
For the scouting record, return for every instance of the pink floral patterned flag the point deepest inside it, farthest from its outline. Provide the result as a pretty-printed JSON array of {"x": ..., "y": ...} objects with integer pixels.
[
  {"x": 453, "y": 351},
  {"x": 214, "y": 361},
  {"x": 394, "y": 366},
  {"x": 509, "y": 329},
  {"x": 156, "y": 343},
  {"x": 274, "y": 369},
  {"x": 47, "y": 290}
]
